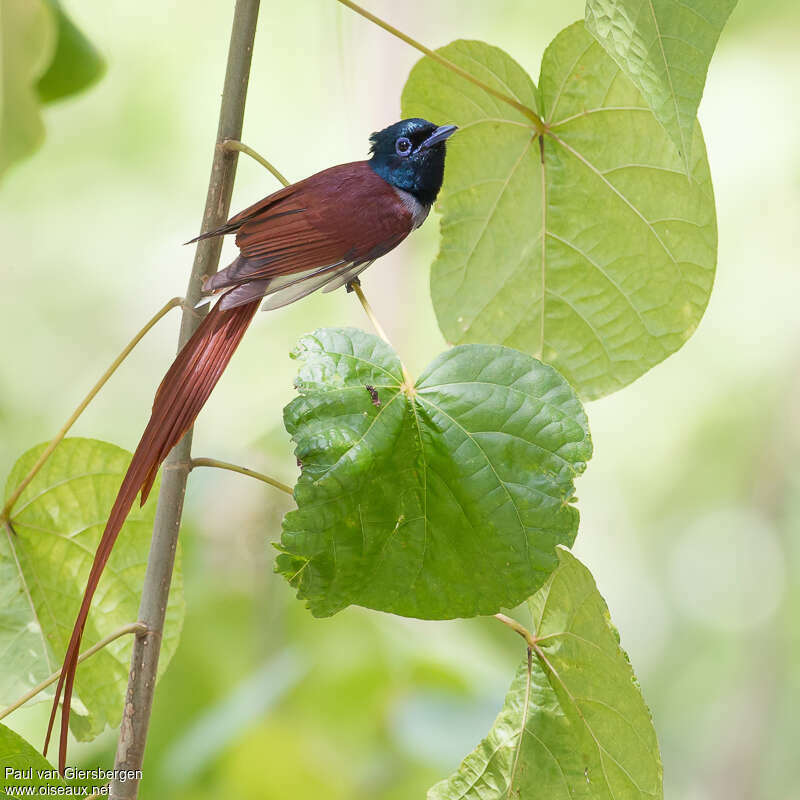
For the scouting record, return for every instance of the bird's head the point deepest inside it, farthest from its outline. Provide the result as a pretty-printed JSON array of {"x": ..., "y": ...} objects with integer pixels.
[{"x": 409, "y": 155}]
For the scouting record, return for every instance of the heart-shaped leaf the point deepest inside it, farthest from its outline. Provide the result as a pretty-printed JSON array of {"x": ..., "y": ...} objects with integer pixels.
[
  {"x": 441, "y": 500},
  {"x": 578, "y": 726},
  {"x": 44, "y": 563},
  {"x": 664, "y": 47},
  {"x": 589, "y": 248},
  {"x": 24, "y": 772}
]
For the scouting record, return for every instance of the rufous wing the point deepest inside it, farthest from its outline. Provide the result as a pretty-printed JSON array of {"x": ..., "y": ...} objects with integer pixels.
[{"x": 311, "y": 234}]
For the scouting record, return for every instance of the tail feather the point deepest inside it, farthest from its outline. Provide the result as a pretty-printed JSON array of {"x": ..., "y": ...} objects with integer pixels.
[{"x": 180, "y": 397}]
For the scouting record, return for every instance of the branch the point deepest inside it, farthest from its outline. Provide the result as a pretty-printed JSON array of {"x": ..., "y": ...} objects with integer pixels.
[
  {"x": 155, "y": 592},
  {"x": 48, "y": 451},
  {"x": 538, "y": 124},
  {"x": 134, "y": 627},
  {"x": 212, "y": 462}
]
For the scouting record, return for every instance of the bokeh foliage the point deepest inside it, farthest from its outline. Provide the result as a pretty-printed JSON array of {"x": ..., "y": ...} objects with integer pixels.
[
  {"x": 45, "y": 57},
  {"x": 720, "y": 698}
]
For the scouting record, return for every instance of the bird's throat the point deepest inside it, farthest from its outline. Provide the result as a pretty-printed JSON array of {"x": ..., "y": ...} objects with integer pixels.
[{"x": 419, "y": 211}]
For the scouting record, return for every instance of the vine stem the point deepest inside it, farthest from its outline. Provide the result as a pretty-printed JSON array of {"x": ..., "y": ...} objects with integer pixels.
[
  {"x": 134, "y": 627},
  {"x": 155, "y": 591},
  {"x": 538, "y": 124},
  {"x": 234, "y": 144},
  {"x": 259, "y": 476},
  {"x": 48, "y": 451}
]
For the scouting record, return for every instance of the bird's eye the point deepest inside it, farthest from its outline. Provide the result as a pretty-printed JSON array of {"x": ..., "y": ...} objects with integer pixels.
[{"x": 403, "y": 146}]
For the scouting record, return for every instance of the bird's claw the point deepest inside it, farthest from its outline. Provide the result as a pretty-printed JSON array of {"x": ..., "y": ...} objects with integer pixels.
[{"x": 351, "y": 285}]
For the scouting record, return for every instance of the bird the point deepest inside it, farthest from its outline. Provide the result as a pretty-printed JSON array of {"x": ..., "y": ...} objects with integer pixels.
[{"x": 318, "y": 233}]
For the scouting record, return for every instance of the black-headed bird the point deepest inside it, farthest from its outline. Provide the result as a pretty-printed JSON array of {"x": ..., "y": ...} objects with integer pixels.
[{"x": 319, "y": 233}]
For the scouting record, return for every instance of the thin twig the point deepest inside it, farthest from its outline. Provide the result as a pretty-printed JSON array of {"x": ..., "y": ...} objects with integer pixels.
[
  {"x": 235, "y": 144},
  {"x": 160, "y": 563},
  {"x": 213, "y": 462},
  {"x": 355, "y": 285},
  {"x": 48, "y": 451},
  {"x": 528, "y": 112},
  {"x": 133, "y": 627},
  {"x": 515, "y": 626}
]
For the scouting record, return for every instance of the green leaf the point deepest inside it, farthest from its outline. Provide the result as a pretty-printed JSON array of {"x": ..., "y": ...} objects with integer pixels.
[
  {"x": 444, "y": 500},
  {"x": 590, "y": 249},
  {"x": 58, "y": 521},
  {"x": 27, "y": 43},
  {"x": 664, "y": 47},
  {"x": 580, "y": 727},
  {"x": 17, "y": 758},
  {"x": 76, "y": 64}
]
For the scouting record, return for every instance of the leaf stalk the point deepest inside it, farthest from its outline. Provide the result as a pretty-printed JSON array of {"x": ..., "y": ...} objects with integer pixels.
[
  {"x": 355, "y": 285},
  {"x": 515, "y": 626}
]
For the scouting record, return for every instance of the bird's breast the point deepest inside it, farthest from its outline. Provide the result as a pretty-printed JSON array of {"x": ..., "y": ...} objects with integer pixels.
[{"x": 419, "y": 211}]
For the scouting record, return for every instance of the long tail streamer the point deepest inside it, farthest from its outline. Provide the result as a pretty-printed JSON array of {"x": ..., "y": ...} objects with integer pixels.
[{"x": 180, "y": 397}]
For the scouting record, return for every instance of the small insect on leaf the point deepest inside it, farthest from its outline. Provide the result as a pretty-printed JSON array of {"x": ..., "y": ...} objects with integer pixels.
[
  {"x": 490, "y": 442},
  {"x": 373, "y": 393}
]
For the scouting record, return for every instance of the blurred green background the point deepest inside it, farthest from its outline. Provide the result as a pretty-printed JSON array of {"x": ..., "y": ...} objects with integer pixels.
[{"x": 690, "y": 507}]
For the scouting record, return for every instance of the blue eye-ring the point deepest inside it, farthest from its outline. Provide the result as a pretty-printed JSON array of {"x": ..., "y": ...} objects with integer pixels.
[{"x": 403, "y": 146}]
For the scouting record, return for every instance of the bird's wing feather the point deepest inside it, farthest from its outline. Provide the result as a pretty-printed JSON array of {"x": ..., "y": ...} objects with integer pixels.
[
  {"x": 236, "y": 221},
  {"x": 246, "y": 292},
  {"x": 345, "y": 277},
  {"x": 279, "y": 296},
  {"x": 346, "y": 214}
]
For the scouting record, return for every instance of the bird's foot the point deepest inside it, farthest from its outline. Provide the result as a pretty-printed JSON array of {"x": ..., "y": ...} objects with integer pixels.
[{"x": 351, "y": 285}]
